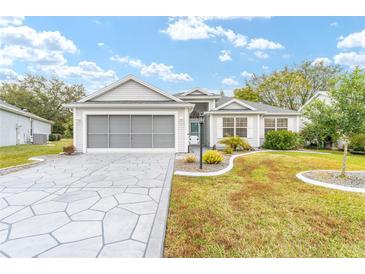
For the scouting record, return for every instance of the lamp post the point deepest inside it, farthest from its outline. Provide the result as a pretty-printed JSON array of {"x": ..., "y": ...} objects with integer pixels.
[{"x": 201, "y": 122}]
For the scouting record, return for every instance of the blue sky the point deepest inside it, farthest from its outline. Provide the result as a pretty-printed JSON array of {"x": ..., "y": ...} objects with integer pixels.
[{"x": 174, "y": 53}]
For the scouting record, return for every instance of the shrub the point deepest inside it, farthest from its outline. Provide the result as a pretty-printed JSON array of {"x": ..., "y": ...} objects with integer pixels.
[
  {"x": 190, "y": 158},
  {"x": 52, "y": 137},
  {"x": 281, "y": 140},
  {"x": 58, "y": 136},
  {"x": 228, "y": 150},
  {"x": 357, "y": 142},
  {"x": 236, "y": 143},
  {"x": 213, "y": 157},
  {"x": 69, "y": 150}
]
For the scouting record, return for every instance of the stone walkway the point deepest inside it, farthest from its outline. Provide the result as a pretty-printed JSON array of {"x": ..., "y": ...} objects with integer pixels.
[{"x": 91, "y": 205}]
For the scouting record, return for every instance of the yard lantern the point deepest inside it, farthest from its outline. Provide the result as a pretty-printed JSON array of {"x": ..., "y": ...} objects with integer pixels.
[{"x": 201, "y": 122}]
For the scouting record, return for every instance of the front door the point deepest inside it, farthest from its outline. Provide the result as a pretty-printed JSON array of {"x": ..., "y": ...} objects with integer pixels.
[{"x": 194, "y": 129}]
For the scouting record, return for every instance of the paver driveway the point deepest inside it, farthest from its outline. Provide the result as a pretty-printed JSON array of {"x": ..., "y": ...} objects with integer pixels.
[{"x": 91, "y": 205}]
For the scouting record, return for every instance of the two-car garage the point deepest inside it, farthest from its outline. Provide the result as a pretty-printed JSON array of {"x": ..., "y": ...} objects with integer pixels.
[{"x": 130, "y": 131}]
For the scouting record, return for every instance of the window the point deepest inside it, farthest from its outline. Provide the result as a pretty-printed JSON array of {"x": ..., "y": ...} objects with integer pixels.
[
  {"x": 228, "y": 126},
  {"x": 235, "y": 126},
  {"x": 241, "y": 126},
  {"x": 275, "y": 124},
  {"x": 282, "y": 123}
]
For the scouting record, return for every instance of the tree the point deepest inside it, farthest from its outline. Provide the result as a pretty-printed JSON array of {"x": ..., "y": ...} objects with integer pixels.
[
  {"x": 348, "y": 100},
  {"x": 321, "y": 124},
  {"x": 43, "y": 97},
  {"x": 247, "y": 93},
  {"x": 290, "y": 87}
]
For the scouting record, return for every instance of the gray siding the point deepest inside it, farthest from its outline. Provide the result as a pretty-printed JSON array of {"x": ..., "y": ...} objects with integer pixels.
[
  {"x": 8, "y": 132},
  {"x": 131, "y": 91}
]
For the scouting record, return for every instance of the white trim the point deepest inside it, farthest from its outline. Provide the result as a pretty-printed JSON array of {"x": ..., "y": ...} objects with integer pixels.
[
  {"x": 25, "y": 114},
  {"x": 307, "y": 180},
  {"x": 234, "y": 100},
  {"x": 258, "y": 129},
  {"x": 85, "y": 149},
  {"x": 124, "y": 80},
  {"x": 187, "y": 129},
  {"x": 210, "y": 131},
  {"x": 192, "y": 97},
  {"x": 315, "y": 96},
  {"x": 196, "y": 89},
  {"x": 136, "y": 105}
]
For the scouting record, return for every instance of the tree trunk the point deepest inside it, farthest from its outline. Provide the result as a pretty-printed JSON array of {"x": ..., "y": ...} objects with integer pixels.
[{"x": 344, "y": 159}]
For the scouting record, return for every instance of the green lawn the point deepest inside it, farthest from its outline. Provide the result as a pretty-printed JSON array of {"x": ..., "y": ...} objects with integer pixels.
[
  {"x": 260, "y": 209},
  {"x": 17, "y": 155}
]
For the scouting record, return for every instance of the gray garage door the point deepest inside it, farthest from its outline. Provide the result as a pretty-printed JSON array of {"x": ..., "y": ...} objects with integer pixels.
[{"x": 130, "y": 131}]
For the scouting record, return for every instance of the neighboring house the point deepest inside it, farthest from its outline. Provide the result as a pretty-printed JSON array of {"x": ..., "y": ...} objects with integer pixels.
[
  {"x": 18, "y": 126},
  {"x": 132, "y": 115},
  {"x": 324, "y": 97}
]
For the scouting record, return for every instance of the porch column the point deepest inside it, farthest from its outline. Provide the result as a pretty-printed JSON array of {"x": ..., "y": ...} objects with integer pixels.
[{"x": 258, "y": 129}]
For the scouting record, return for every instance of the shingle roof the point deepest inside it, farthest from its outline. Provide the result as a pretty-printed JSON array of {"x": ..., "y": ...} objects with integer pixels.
[
  {"x": 11, "y": 108},
  {"x": 258, "y": 106}
]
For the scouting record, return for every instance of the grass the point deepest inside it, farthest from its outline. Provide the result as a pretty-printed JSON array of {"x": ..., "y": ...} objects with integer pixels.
[
  {"x": 18, "y": 155},
  {"x": 260, "y": 209}
]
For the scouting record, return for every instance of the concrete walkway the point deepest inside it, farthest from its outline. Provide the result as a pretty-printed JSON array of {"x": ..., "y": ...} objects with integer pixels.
[{"x": 92, "y": 205}]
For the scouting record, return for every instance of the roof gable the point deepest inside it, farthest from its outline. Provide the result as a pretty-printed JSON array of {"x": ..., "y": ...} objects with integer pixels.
[
  {"x": 196, "y": 92},
  {"x": 235, "y": 104},
  {"x": 130, "y": 88}
]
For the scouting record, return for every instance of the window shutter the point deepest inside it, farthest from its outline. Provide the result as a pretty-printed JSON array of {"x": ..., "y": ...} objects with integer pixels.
[{"x": 219, "y": 127}]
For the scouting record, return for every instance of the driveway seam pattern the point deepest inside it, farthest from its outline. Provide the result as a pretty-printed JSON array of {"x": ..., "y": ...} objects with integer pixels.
[{"x": 90, "y": 205}]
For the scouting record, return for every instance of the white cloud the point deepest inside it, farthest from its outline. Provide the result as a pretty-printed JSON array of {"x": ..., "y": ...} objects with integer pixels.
[
  {"x": 85, "y": 69},
  {"x": 229, "y": 81},
  {"x": 100, "y": 44},
  {"x": 22, "y": 43},
  {"x": 162, "y": 71},
  {"x": 260, "y": 43},
  {"x": 322, "y": 60},
  {"x": 261, "y": 55},
  {"x": 11, "y": 20},
  {"x": 8, "y": 75},
  {"x": 246, "y": 74},
  {"x": 191, "y": 28},
  {"x": 334, "y": 24},
  {"x": 350, "y": 59},
  {"x": 225, "y": 56},
  {"x": 265, "y": 67},
  {"x": 353, "y": 40}
]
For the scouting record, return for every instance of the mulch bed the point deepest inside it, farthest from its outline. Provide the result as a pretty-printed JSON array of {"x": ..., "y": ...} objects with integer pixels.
[
  {"x": 194, "y": 167},
  {"x": 352, "y": 179}
]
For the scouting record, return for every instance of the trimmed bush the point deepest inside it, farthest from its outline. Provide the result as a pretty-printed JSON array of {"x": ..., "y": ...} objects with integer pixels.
[
  {"x": 190, "y": 158},
  {"x": 236, "y": 143},
  {"x": 69, "y": 150},
  {"x": 52, "y": 137},
  {"x": 213, "y": 157},
  {"x": 357, "y": 142},
  {"x": 281, "y": 140},
  {"x": 228, "y": 150}
]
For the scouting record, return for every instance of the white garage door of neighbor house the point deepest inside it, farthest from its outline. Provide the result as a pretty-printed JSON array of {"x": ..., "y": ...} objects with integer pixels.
[{"x": 130, "y": 131}]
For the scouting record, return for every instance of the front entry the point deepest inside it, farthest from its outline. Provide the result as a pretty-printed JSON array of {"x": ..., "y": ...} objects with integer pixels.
[{"x": 194, "y": 133}]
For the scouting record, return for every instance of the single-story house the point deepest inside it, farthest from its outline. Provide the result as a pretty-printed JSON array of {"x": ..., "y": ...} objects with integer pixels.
[
  {"x": 132, "y": 115},
  {"x": 18, "y": 126}
]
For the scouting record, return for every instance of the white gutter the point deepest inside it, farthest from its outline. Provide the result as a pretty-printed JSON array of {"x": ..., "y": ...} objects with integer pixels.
[{"x": 78, "y": 105}]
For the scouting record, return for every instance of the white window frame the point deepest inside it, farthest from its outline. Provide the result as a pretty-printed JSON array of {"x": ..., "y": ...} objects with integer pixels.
[
  {"x": 235, "y": 125},
  {"x": 276, "y": 128}
]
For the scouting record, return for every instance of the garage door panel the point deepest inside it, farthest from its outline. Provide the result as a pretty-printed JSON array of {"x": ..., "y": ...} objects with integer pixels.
[
  {"x": 163, "y": 140},
  {"x": 97, "y": 124},
  {"x": 141, "y": 140},
  {"x": 163, "y": 124},
  {"x": 120, "y": 124},
  {"x": 141, "y": 124},
  {"x": 130, "y": 131},
  {"x": 97, "y": 140},
  {"x": 119, "y": 140}
]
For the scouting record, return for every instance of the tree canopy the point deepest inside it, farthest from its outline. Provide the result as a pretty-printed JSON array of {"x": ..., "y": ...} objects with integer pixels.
[
  {"x": 289, "y": 88},
  {"x": 43, "y": 97}
]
